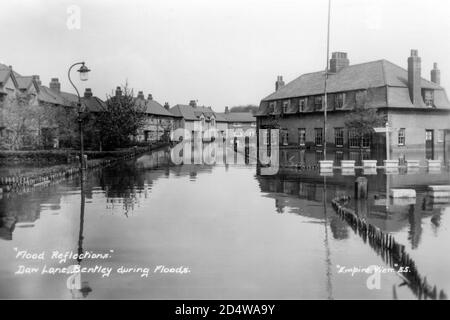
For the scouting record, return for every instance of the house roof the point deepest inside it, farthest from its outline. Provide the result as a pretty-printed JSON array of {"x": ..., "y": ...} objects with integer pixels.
[
  {"x": 4, "y": 74},
  {"x": 373, "y": 74},
  {"x": 155, "y": 108},
  {"x": 69, "y": 98},
  {"x": 239, "y": 117},
  {"x": 48, "y": 95},
  {"x": 24, "y": 82},
  {"x": 93, "y": 104},
  {"x": 191, "y": 113}
]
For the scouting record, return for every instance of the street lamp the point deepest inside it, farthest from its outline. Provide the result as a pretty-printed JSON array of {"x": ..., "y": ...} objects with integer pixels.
[{"x": 84, "y": 71}]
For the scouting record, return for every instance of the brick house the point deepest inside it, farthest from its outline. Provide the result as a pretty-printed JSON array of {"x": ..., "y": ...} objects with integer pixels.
[
  {"x": 40, "y": 118},
  {"x": 159, "y": 121},
  {"x": 418, "y": 110},
  {"x": 198, "y": 119}
]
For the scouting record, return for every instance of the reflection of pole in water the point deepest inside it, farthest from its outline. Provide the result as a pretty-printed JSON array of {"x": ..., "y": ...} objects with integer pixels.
[
  {"x": 326, "y": 242},
  {"x": 82, "y": 287}
]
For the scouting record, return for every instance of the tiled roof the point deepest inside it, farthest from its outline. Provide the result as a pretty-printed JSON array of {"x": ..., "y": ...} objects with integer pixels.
[
  {"x": 93, "y": 104},
  {"x": 155, "y": 108},
  {"x": 24, "y": 82},
  {"x": 239, "y": 117},
  {"x": 359, "y": 76},
  {"x": 4, "y": 74},
  {"x": 220, "y": 117},
  {"x": 69, "y": 98},
  {"x": 48, "y": 95},
  {"x": 5, "y": 71},
  {"x": 191, "y": 113}
]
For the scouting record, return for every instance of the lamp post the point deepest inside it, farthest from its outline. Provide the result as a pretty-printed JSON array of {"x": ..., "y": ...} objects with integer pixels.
[{"x": 83, "y": 77}]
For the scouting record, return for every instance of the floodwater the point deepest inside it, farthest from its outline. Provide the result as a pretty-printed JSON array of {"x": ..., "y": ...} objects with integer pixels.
[{"x": 220, "y": 232}]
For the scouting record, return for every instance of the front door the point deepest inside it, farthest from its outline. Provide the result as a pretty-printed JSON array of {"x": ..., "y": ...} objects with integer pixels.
[{"x": 429, "y": 144}]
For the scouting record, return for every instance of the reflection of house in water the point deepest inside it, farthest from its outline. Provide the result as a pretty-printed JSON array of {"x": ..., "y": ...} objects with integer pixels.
[
  {"x": 22, "y": 210},
  {"x": 302, "y": 192},
  {"x": 136, "y": 178}
]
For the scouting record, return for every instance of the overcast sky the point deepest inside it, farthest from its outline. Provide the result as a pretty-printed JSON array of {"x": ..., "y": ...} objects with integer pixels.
[{"x": 219, "y": 52}]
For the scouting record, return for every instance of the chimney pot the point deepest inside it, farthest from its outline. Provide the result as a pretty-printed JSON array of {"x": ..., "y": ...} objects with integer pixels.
[
  {"x": 166, "y": 106},
  {"x": 55, "y": 85},
  {"x": 338, "y": 61},
  {"x": 193, "y": 103},
  {"x": 415, "y": 78},
  {"x": 140, "y": 95},
  {"x": 37, "y": 79},
  {"x": 279, "y": 83},
  {"x": 118, "y": 92},
  {"x": 227, "y": 110},
  {"x": 150, "y": 97},
  {"x": 436, "y": 74},
  {"x": 88, "y": 93}
]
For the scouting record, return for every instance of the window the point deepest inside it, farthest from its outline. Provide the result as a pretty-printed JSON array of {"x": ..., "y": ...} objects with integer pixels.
[
  {"x": 339, "y": 137},
  {"x": 272, "y": 106},
  {"x": 213, "y": 122},
  {"x": 318, "y": 136},
  {"x": 366, "y": 141},
  {"x": 339, "y": 100},
  {"x": 353, "y": 138},
  {"x": 338, "y": 156},
  {"x": 301, "y": 136},
  {"x": 284, "y": 137},
  {"x": 401, "y": 137},
  {"x": 318, "y": 103},
  {"x": 356, "y": 141},
  {"x": 428, "y": 98},
  {"x": 302, "y": 104},
  {"x": 286, "y": 105}
]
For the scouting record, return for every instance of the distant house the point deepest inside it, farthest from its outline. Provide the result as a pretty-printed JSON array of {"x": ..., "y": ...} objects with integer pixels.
[
  {"x": 417, "y": 109},
  {"x": 244, "y": 121},
  {"x": 198, "y": 120},
  {"x": 159, "y": 122}
]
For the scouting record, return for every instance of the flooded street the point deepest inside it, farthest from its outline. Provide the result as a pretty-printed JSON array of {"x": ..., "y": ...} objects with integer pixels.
[{"x": 239, "y": 235}]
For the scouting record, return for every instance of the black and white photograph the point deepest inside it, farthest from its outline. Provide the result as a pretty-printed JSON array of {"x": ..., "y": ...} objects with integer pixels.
[{"x": 225, "y": 155}]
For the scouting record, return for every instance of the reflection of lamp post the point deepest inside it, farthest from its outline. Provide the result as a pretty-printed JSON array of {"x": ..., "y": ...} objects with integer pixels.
[
  {"x": 83, "y": 77},
  {"x": 77, "y": 287}
]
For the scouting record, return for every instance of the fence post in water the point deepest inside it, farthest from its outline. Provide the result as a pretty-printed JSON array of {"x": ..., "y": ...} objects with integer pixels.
[{"x": 361, "y": 188}]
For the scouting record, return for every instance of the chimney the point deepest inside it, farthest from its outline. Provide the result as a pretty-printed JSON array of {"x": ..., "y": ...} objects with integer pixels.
[
  {"x": 436, "y": 74},
  {"x": 414, "y": 78},
  {"x": 140, "y": 95},
  {"x": 55, "y": 85},
  {"x": 118, "y": 92},
  {"x": 279, "y": 83},
  {"x": 166, "y": 106},
  {"x": 149, "y": 97},
  {"x": 227, "y": 110},
  {"x": 193, "y": 103},
  {"x": 338, "y": 61},
  {"x": 87, "y": 93},
  {"x": 37, "y": 79}
]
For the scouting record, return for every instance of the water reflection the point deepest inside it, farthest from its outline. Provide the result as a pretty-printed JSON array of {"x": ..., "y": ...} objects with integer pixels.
[
  {"x": 79, "y": 288},
  {"x": 245, "y": 235}
]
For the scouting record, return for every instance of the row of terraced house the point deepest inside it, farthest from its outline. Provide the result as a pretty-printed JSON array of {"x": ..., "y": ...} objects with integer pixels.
[{"x": 43, "y": 120}]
